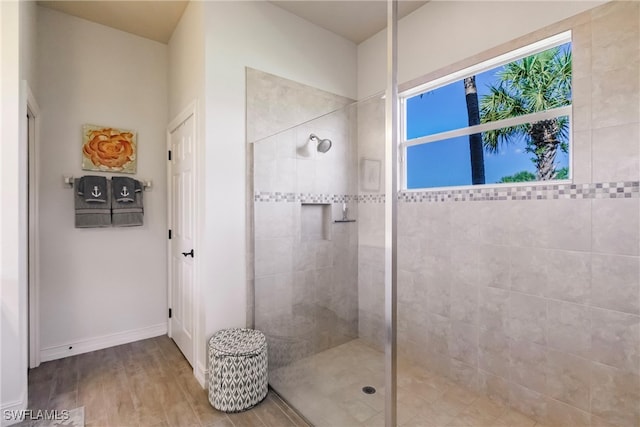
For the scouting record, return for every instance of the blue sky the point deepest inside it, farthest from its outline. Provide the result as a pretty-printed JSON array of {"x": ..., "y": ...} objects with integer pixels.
[{"x": 446, "y": 163}]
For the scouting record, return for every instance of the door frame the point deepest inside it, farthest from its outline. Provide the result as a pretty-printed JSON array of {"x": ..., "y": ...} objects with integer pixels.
[
  {"x": 33, "y": 303},
  {"x": 190, "y": 110}
]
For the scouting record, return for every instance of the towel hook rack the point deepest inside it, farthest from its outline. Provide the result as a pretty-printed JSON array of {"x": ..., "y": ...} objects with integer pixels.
[{"x": 68, "y": 180}]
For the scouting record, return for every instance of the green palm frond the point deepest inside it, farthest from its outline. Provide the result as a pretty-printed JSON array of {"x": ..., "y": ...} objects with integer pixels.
[
  {"x": 492, "y": 140},
  {"x": 541, "y": 81},
  {"x": 500, "y": 105},
  {"x": 536, "y": 83}
]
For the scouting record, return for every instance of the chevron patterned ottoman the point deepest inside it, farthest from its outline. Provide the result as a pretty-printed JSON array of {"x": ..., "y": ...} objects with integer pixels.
[{"x": 238, "y": 369}]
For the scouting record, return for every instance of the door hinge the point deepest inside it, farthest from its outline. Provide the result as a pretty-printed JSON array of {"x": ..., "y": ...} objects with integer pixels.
[
  {"x": 169, "y": 234},
  {"x": 169, "y": 155},
  {"x": 169, "y": 313}
]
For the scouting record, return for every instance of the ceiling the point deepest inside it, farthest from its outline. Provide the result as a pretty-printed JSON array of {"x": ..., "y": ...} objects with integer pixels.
[
  {"x": 355, "y": 20},
  {"x": 154, "y": 20}
]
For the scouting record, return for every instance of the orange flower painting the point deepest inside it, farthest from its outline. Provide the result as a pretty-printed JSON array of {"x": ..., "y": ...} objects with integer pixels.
[{"x": 108, "y": 149}]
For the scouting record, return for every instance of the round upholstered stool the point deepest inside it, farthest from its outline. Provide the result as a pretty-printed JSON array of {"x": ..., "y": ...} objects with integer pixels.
[{"x": 237, "y": 369}]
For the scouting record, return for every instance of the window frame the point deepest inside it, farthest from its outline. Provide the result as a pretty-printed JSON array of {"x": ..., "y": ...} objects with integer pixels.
[{"x": 497, "y": 61}]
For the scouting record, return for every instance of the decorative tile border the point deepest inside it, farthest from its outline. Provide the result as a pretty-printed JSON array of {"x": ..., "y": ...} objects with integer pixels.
[
  {"x": 264, "y": 196},
  {"x": 371, "y": 198},
  {"x": 605, "y": 190}
]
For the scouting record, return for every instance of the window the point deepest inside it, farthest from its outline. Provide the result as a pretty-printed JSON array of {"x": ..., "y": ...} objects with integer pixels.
[{"x": 504, "y": 120}]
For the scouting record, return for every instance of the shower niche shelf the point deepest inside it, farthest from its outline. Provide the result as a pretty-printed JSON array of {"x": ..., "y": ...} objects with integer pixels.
[{"x": 315, "y": 221}]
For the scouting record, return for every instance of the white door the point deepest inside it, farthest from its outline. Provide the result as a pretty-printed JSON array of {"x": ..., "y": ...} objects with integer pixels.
[{"x": 181, "y": 223}]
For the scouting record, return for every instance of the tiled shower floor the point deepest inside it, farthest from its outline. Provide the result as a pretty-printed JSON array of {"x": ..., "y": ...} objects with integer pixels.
[{"x": 327, "y": 389}]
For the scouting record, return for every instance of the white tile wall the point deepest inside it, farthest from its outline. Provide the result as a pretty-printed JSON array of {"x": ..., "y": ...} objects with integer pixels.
[{"x": 306, "y": 286}]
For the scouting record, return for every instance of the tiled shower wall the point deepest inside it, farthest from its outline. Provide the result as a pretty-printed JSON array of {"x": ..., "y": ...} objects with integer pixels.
[
  {"x": 371, "y": 133},
  {"x": 305, "y": 263},
  {"x": 534, "y": 299},
  {"x": 275, "y": 104}
]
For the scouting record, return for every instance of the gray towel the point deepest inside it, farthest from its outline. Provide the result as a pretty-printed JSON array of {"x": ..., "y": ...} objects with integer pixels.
[
  {"x": 124, "y": 188},
  {"x": 127, "y": 214},
  {"x": 93, "y": 189},
  {"x": 92, "y": 215}
]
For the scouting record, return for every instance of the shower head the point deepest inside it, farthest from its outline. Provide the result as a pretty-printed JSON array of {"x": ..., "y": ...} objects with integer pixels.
[{"x": 323, "y": 144}]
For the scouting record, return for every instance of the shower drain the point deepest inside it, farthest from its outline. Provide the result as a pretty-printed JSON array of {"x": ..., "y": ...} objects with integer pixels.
[{"x": 368, "y": 389}]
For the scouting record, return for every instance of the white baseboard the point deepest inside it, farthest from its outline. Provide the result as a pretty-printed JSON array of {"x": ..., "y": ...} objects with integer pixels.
[
  {"x": 104, "y": 341},
  {"x": 201, "y": 375},
  {"x": 7, "y": 410}
]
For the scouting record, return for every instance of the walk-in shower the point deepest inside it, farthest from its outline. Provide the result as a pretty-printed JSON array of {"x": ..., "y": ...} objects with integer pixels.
[
  {"x": 517, "y": 303},
  {"x": 323, "y": 320}
]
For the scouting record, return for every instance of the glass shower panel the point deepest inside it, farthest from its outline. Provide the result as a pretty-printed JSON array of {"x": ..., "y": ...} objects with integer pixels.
[{"x": 322, "y": 315}]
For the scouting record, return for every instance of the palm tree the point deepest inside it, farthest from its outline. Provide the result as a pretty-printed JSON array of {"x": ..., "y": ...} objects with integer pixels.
[
  {"x": 536, "y": 83},
  {"x": 475, "y": 140}
]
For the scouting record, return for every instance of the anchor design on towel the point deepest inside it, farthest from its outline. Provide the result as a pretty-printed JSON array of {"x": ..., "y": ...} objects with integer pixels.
[
  {"x": 96, "y": 192},
  {"x": 124, "y": 192}
]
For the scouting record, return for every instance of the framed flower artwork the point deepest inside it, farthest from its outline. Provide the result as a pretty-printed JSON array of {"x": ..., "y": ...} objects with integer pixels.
[{"x": 108, "y": 149}]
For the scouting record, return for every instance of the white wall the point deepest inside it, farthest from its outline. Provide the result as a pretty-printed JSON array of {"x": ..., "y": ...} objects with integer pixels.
[
  {"x": 28, "y": 36},
  {"x": 13, "y": 389},
  {"x": 98, "y": 282},
  {"x": 186, "y": 59},
  {"x": 186, "y": 85},
  {"x": 441, "y": 33},
  {"x": 261, "y": 36},
  {"x": 17, "y": 52}
]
